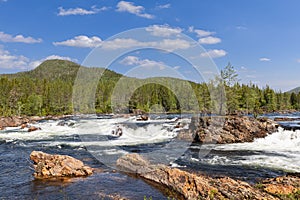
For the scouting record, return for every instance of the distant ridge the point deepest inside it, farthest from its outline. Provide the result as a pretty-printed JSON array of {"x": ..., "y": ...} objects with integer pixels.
[{"x": 295, "y": 90}]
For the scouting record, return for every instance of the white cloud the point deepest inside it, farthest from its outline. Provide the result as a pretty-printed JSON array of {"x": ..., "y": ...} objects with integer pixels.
[
  {"x": 163, "y": 6},
  {"x": 20, "y": 62},
  {"x": 172, "y": 44},
  {"x": 9, "y": 61},
  {"x": 215, "y": 53},
  {"x": 130, "y": 60},
  {"x": 80, "y": 11},
  {"x": 18, "y": 38},
  {"x": 199, "y": 32},
  {"x": 298, "y": 60},
  {"x": 163, "y": 30},
  {"x": 124, "y": 43},
  {"x": 209, "y": 40},
  {"x": 121, "y": 43},
  {"x": 81, "y": 41},
  {"x": 166, "y": 44},
  {"x": 265, "y": 59},
  {"x": 124, "y": 6},
  {"x": 133, "y": 60}
]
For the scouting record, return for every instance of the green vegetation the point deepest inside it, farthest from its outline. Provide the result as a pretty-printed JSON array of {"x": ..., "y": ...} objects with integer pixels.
[
  {"x": 48, "y": 89},
  {"x": 212, "y": 194}
]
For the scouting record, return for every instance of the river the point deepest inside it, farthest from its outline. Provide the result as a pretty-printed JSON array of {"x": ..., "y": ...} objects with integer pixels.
[{"x": 88, "y": 138}]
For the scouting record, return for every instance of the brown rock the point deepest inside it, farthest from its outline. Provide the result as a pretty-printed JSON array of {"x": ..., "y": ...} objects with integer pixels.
[
  {"x": 12, "y": 121},
  {"x": 33, "y": 128},
  {"x": 36, "y": 118},
  {"x": 142, "y": 118},
  {"x": 228, "y": 129},
  {"x": 24, "y": 126},
  {"x": 47, "y": 166},
  {"x": 283, "y": 185},
  {"x": 188, "y": 185},
  {"x": 280, "y": 189}
]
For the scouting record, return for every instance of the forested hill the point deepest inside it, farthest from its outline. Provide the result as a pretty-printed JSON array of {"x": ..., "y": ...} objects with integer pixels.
[
  {"x": 54, "y": 69},
  {"x": 58, "y": 69},
  {"x": 48, "y": 90}
]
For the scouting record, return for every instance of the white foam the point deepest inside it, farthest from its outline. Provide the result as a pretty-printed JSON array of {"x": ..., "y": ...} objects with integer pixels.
[
  {"x": 130, "y": 136},
  {"x": 279, "y": 150},
  {"x": 50, "y": 132},
  {"x": 173, "y": 164}
]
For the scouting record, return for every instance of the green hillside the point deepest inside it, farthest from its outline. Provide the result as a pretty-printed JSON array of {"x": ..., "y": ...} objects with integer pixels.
[
  {"x": 55, "y": 69},
  {"x": 49, "y": 90},
  {"x": 59, "y": 69}
]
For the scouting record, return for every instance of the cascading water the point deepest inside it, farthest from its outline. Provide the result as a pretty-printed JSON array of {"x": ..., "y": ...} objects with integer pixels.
[{"x": 88, "y": 138}]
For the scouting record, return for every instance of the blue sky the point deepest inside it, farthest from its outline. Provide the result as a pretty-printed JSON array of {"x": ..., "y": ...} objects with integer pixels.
[{"x": 261, "y": 39}]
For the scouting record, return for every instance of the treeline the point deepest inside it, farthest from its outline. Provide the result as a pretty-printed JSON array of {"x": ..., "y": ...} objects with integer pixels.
[{"x": 48, "y": 90}]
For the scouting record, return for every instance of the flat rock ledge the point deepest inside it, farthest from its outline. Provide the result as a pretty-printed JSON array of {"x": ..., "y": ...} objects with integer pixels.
[
  {"x": 194, "y": 186},
  {"x": 50, "y": 166},
  {"x": 227, "y": 129}
]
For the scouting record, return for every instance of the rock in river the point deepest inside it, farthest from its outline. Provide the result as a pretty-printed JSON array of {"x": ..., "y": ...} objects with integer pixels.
[
  {"x": 189, "y": 185},
  {"x": 228, "y": 129},
  {"x": 33, "y": 128},
  {"x": 47, "y": 166}
]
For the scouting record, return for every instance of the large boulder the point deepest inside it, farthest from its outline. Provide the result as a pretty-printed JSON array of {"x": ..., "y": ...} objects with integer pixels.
[
  {"x": 228, "y": 129},
  {"x": 189, "y": 185},
  {"x": 47, "y": 166}
]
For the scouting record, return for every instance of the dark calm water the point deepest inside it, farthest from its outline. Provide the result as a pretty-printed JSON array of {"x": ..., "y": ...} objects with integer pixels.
[{"x": 251, "y": 162}]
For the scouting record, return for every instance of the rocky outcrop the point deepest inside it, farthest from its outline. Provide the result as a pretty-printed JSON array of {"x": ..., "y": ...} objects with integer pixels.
[
  {"x": 47, "y": 166},
  {"x": 284, "y": 186},
  {"x": 227, "y": 129},
  {"x": 12, "y": 121},
  {"x": 15, "y": 121},
  {"x": 189, "y": 185}
]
